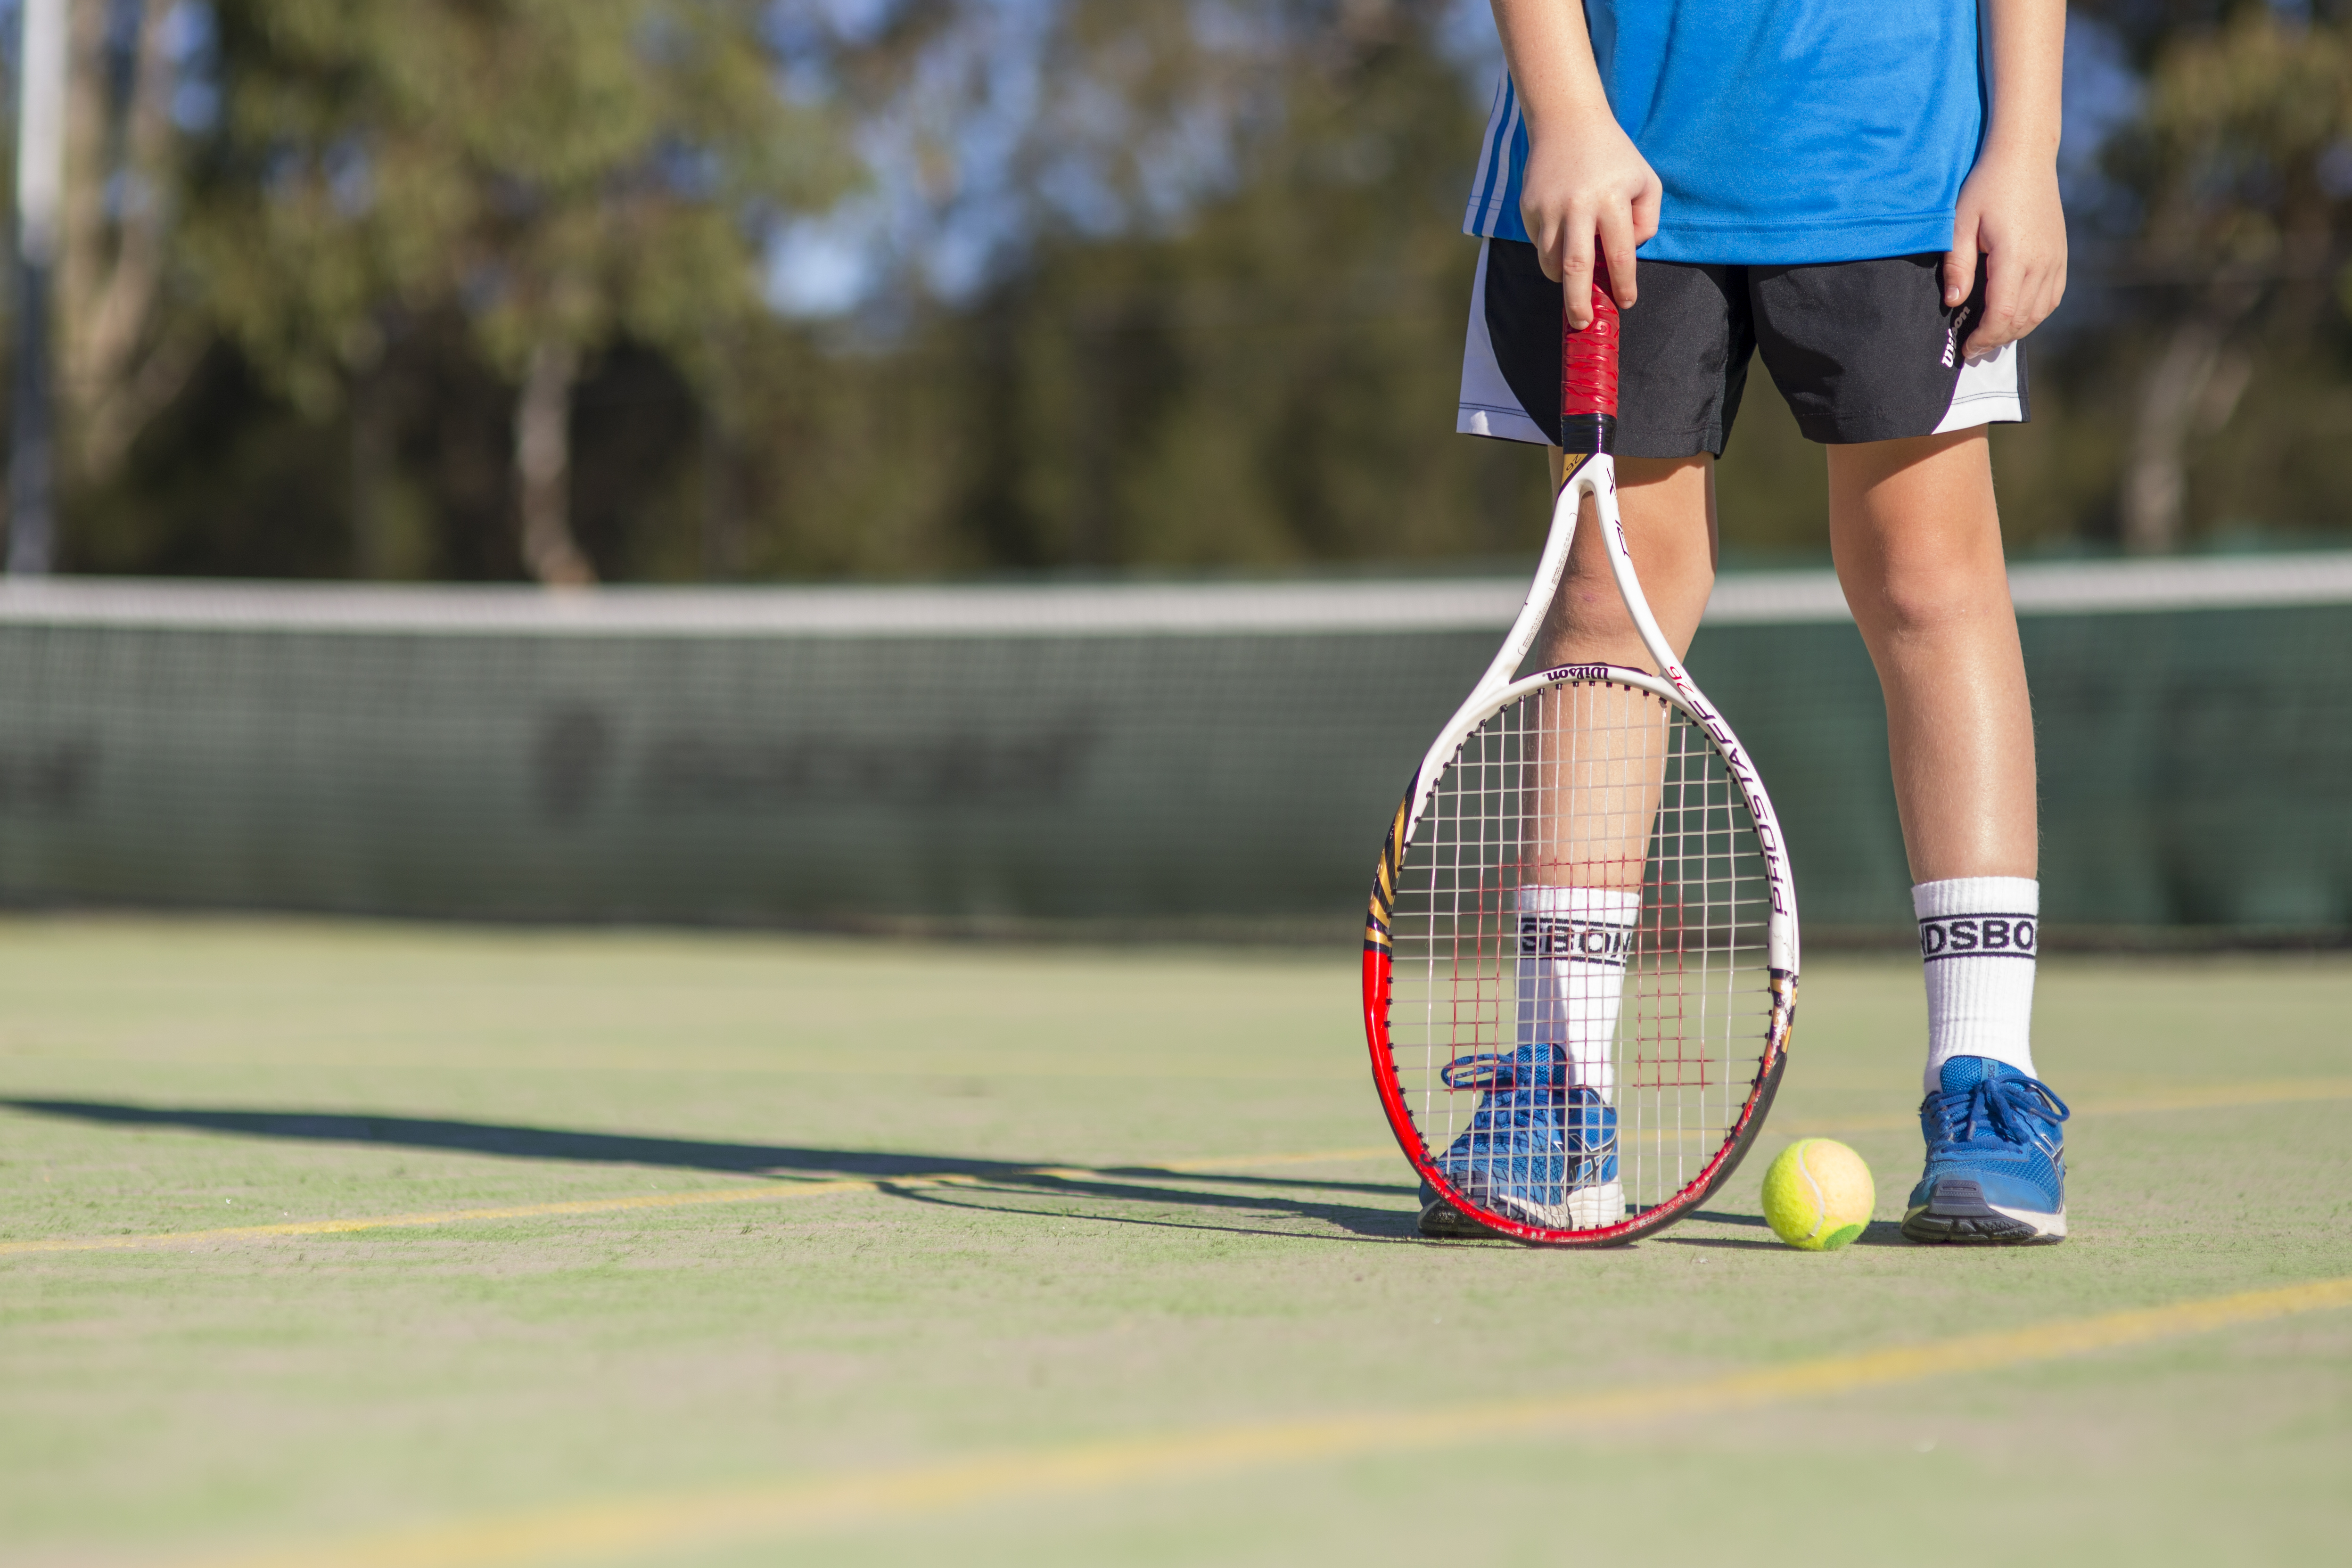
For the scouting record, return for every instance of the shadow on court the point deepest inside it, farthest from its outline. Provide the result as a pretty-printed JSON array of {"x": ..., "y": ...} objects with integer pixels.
[
  {"x": 1125, "y": 1183},
  {"x": 1877, "y": 1233},
  {"x": 1002, "y": 1186}
]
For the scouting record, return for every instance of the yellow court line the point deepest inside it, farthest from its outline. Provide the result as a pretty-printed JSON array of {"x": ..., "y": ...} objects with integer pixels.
[
  {"x": 662, "y": 1527},
  {"x": 696, "y": 1198}
]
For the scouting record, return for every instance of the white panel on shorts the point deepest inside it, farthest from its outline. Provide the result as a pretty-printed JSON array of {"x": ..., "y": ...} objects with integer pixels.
[
  {"x": 1488, "y": 406},
  {"x": 1986, "y": 393}
]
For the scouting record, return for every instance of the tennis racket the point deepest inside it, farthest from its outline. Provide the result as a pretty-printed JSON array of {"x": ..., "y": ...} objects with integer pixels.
[{"x": 1580, "y": 962}]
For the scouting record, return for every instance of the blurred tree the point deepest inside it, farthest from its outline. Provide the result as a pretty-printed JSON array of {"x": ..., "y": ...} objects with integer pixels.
[
  {"x": 1157, "y": 283},
  {"x": 557, "y": 176},
  {"x": 2243, "y": 162},
  {"x": 1272, "y": 381},
  {"x": 125, "y": 355},
  {"x": 1229, "y": 333}
]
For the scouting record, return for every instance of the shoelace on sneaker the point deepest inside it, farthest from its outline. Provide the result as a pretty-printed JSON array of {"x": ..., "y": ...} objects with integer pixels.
[
  {"x": 2008, "y": 1107},
  {"x": 1497, "y": 1072}
]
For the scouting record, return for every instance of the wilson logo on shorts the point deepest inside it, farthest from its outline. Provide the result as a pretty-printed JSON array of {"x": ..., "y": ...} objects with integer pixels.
[
  {"x": 1976, "y": 936},
  {"x": 1557, "y": 937}
]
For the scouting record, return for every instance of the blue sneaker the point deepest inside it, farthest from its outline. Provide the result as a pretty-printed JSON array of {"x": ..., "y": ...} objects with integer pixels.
[
  {"x": 1996, "y": 1163},
  {"x": 1537, "y": 1150}
]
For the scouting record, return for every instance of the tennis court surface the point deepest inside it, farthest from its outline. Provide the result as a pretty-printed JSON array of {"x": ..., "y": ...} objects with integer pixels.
[{"x": 343, "y": 1243}]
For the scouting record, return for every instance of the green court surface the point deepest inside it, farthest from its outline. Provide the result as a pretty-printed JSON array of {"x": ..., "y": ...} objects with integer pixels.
[{"x": 814, "y": 1251}]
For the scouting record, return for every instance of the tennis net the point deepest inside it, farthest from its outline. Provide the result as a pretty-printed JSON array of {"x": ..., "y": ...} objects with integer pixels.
[{"x": 1098, "y": 755}]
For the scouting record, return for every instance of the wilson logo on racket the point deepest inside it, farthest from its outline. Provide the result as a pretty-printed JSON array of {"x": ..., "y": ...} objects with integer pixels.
[
  {"x": 1976, "y": 936},
  {"x": 1553, "y": 937}
]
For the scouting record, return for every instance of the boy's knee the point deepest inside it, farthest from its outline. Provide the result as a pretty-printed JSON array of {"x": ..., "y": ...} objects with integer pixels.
[
  {"x": 1591, "y": 606},
  {"x": 1920, "y": 596}
]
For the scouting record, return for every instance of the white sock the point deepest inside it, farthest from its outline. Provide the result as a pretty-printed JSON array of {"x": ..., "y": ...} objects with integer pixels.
[
  {"x": 1978, "y": 936},
  {"x": 1573, "y": 943}
]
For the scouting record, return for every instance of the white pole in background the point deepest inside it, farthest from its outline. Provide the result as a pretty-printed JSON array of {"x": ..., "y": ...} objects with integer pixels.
[{"x": 40, "y": 195}]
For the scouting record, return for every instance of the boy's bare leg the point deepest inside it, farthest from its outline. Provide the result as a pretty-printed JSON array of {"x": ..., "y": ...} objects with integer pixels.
[
  {"x": 1917, "y": 542},
  {"x": 1578, "y": 898},
  {"x": 1669, "y": 509},
  {"x": 1609, "y": 745}
]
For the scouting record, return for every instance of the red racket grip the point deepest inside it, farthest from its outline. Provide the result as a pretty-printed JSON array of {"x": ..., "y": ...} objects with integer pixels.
[{"x": 1588, "y": 372}]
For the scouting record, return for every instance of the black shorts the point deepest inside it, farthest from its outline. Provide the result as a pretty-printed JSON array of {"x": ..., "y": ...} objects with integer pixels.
[{"x": 1863, "y": 350}]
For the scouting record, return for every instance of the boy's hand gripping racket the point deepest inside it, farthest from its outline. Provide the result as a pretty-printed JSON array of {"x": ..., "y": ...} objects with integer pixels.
[{"x": 1581, "y": 965}]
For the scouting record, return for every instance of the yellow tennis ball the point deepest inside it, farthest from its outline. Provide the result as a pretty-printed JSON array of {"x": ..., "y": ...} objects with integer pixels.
[{"x": 1818, "y": 1195}]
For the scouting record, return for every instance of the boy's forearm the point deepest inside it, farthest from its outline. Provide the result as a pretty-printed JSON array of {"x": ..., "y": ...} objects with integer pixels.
[
  {"x": 1549, "y": 52},
  {"x": 2029, "y": 64}
]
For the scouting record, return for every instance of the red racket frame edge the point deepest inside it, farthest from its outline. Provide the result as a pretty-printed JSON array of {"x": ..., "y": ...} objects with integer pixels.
[{"x": 1587, "y": 409}]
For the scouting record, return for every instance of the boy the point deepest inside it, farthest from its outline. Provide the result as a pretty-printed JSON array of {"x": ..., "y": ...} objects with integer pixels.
[{"x": 1866, "y": 190}]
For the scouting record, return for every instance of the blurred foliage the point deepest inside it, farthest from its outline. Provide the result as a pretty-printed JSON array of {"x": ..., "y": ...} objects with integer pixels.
[
  {"x": 2233, "y": 151},
  {"x": 2241, "y": 162},
  {"x": 402, "y": 203},
  {"x": 586, "y": 170},
  {"x": 1272, "y": 383},
  {"x": 1186, "y": 291}
]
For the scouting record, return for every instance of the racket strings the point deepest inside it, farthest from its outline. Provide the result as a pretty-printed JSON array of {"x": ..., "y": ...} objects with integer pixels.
[{"x": 1608, "y": 790}]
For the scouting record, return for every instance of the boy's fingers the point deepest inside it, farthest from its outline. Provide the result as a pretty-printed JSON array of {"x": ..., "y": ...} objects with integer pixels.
[
  {"x": 1960, "y": 266},
  {"x": 2004, "y": 291},
  {"x": 2032, "y": 305},
  {"x": 1576, "y": 273},
  {"x": 1646, "y": 207},
  {"x": 2054, "y": 290},
  {"x": 1547, "y": 243},
  {"x": 1544, "y": 234},
  {"x": 1617, "y": 246}
]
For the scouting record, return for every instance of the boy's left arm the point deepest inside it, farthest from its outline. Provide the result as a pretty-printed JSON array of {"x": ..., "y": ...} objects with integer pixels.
[{"x": 2009, "y": 209}]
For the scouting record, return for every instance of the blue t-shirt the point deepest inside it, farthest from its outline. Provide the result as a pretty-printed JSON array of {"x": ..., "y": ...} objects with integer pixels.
[{"x": 1783, "y": 131}]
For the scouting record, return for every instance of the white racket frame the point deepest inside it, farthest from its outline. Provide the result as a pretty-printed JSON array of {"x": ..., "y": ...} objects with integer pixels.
[{"x": 1596, "y": 476}]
